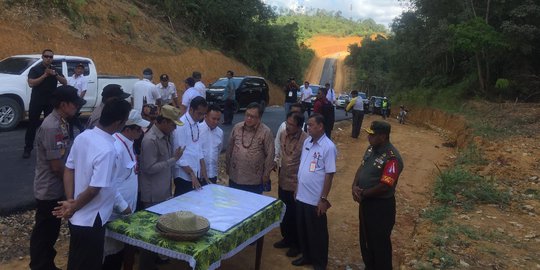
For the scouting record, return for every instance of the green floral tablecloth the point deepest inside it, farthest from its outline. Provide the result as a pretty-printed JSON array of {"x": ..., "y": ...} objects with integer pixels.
[{"x": 207, "y": 253}]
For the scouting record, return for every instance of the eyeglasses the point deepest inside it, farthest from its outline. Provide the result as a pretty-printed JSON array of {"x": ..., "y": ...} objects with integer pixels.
[{"x": 48, "y": 56}]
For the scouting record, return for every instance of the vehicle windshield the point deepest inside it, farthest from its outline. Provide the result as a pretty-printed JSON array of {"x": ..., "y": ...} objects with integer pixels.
[
  {"x": 16, "y": 65},
  {"x": 222, "y": 83},
  {"x": 362, "y": 95},
  {"x": 343, "y": 97}
]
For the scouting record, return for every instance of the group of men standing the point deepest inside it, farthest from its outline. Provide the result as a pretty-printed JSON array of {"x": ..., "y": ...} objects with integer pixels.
[{"x": 96, "y": 177}]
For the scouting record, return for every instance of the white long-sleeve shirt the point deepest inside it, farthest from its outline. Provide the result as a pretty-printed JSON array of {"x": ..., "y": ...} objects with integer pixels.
[
  {"x": 189, "y": 136},
  {"x": 212, "y": 144}
]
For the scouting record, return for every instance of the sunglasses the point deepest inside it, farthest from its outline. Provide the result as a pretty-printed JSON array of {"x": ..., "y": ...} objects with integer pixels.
[{"x": 48, "y": 56}]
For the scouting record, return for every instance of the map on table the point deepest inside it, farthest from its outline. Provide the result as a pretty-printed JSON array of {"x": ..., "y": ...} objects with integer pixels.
[{"x": 224, "y": 207}]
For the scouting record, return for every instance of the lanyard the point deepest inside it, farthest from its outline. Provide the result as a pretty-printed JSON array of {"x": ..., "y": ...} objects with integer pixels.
[{"x": 127, "y": 148}]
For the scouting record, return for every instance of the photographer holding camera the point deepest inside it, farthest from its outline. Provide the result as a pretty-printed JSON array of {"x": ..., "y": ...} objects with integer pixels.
[{"x": 43, "y": 78}]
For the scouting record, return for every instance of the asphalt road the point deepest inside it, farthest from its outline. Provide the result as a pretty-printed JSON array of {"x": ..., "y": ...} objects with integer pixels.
[{"x": 17, "y": 174}]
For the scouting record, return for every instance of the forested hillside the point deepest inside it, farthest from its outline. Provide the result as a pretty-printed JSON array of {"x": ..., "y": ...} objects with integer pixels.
[
  {"x": 322, "y": 22},
  {"x": 449, "y": 50}
]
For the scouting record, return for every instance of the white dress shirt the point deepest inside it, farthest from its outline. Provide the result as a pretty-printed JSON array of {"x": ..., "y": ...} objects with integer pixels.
[
  {"x": 277, "y": 143},
  {"x": 189, "y": 136},
  {"x": 124, "y": 177},
  {"x": 306, "y": 94},
  {"x": 190, "y": 94},
  {"x": 80, "y": 82},
  {"x": 212, "y": 144},
  {"x": 92, "y": 158},
  {"x": 144, "y": 88},
  {"x": 167, "y": 93},
  {"x": 318, "y": 158},
  {"x": 331, "y": 95},
  {"x": 201, "y": 88}
]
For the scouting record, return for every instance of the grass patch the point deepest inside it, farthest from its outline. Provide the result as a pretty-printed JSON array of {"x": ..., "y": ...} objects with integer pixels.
[
  {"x": 471, "y": 156},
  {"x": 437, "y": 214},
  {"x": 446, "y": 260},
  {"x": 458, "y": 186}
]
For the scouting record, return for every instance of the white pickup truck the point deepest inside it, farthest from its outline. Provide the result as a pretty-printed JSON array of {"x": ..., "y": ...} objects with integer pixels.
[{"x": 15, "y": 91}]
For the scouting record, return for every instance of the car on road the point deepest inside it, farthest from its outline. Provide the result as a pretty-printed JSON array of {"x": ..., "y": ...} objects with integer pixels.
[
  {"x": 342, "y": 101},
  {"x": 15, "y": 91},
  {"x": 248, "y": 89},
  {"x": 375, "y": 104}
]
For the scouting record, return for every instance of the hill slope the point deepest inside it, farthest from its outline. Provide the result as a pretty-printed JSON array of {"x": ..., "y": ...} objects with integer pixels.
[{"x": 120, "y": 37}]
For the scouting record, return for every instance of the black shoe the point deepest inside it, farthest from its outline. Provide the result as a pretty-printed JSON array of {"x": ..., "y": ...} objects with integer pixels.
[
  {"x": 292, "y": 252},
  {"x": 26, "y": 154},
  {"x": 300, "y": 261},
  {"x": 281, "y": 244}
]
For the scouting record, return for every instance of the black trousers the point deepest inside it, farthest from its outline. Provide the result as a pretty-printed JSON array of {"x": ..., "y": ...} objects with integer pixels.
[
  {"x": 250, "y": 188},
  {"x": 357, "y": 119},
  {"x": 113, "y": 261},
  {"x": 307, "y": 107},
  {"x": 288, "y": 226},
  {"x": 86, "y": 246},
  {"x": 44, "y": 235},
  {"x": 377, "y": 219},
  {"x": 36, "y": 106},
  {"x": 182, "y": 186},
  {"x": 312, "y": 234},
  {"x": 228, "y": 112}
]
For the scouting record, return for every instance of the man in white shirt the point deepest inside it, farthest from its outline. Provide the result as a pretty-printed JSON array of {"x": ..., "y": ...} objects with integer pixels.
[
  {"x": 167, "y": 91},
  {"x": 80, "y": 82},
  {"x": 145, "y": 92},
  {"x": 305, "y": 97},
  {"x": 315, "y": 174},
  {"x": 189, "y": 94},
  {"x": 212, "y": 141},
  {"x": 198, "y": 84},
  {"x": 88, "y": 186},
  {"x": 125, "y": 182},
  {"x": 330, "y": 93},
  {"x": 190, "y": 168}
]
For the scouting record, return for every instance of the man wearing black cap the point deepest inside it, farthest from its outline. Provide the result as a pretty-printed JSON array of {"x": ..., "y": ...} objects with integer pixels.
[
  {"x": 53, "y": 145},
  {"x": 110, "y": 92},
  {"x": 43, "y": 78},
  {"x": 145, "y": 92},
  {"x": 167, "y": 91},
  {"x": 373, "y": 188}
]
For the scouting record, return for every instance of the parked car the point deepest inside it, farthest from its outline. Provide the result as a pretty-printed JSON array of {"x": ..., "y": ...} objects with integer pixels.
[
  {"x": 375, "y": 104},
  {"x": 248, "y": 89},
  {"x": 342, "y": 101},
  {"x": 15, "y": 91}
]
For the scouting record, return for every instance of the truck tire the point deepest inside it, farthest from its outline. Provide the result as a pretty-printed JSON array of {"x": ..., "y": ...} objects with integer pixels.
[{"x": 10, "y": 113}]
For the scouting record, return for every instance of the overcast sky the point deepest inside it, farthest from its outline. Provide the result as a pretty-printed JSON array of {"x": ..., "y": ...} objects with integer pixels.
[{"x": 382, "y": 11}]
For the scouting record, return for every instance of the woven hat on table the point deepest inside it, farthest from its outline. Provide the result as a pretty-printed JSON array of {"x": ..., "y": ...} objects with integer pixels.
[{"x": 182, "y": 225}]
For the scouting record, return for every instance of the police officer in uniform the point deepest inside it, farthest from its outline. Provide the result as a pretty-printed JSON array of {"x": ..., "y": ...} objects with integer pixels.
[
  {"x": 374, "y": 188},
  {"x": 53, "y": 144}
]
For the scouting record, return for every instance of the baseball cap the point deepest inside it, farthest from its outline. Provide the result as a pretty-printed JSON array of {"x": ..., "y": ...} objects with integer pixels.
[
  {"x": 135, "y": 118},
  {"x": 68, "y": 93},
  {"x": 378, "y": 127},
  {"x": 114, "y": 90},
  {"x": 172, "y": 113},
  {"x": 147, "y": 71},
  {"x": 164, "y": 78}
]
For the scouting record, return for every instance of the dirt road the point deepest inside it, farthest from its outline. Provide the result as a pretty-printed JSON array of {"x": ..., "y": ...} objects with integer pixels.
[{"x": 421, "y": 150}]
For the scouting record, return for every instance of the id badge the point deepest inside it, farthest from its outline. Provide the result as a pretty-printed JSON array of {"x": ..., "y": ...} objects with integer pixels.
[
  {"x": 312, "y": 166},
  {"x": 290, "y": 94}
]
